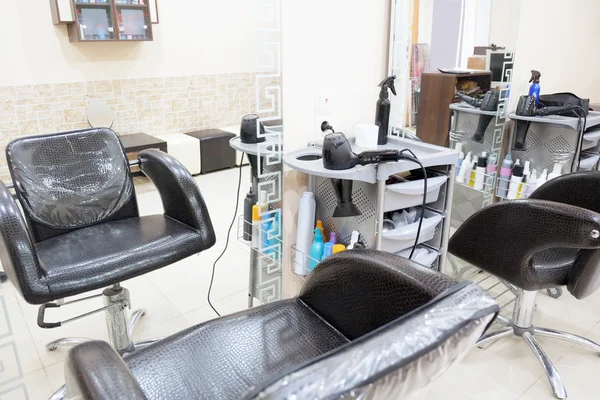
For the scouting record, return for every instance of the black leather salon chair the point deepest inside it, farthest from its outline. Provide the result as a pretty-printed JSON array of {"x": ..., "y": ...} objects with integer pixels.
[
  {"x": 80, "y": 229},
  {"x": 551, "y": 239},
  {"x": 366, "y": 324}
]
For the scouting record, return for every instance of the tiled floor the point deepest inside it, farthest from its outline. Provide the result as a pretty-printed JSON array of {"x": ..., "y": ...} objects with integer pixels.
[{"x": 175, "y": 298}]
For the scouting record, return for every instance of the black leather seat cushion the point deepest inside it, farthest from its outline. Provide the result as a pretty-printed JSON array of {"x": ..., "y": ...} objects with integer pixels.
[
  {"x": 101, "y": 255},
  {"x": 224, "y": 358},
  {"x": 552, "y": 266}
]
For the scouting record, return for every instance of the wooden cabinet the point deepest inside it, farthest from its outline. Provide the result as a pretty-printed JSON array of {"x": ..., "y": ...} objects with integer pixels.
[
  {"x": 437, "y": 93},
  {"x": 106, "y": 20}
]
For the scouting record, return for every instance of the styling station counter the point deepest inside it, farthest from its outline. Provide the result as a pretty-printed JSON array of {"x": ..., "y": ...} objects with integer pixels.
[{"x": 375, "y": 195}]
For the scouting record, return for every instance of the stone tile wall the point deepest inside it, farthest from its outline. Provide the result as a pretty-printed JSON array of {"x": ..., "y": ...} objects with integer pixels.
[{"x": 157, "y": 106}]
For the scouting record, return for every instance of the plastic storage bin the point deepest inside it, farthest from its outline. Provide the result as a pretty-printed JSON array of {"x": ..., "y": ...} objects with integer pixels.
[
  {"x": 588, "y": 162},
  {"x": 408, "y": 194},
  {"x": 427, "y": 258},
  {"x": 404, "y": 237}
]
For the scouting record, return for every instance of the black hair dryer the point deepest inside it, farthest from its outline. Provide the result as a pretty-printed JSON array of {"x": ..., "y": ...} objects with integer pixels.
[
  {"x": 526, "y": 108},
  {"x": 252, "y": 131},
  {"x": 489, "y": 103},
  {"x": 338, "y": 155}
]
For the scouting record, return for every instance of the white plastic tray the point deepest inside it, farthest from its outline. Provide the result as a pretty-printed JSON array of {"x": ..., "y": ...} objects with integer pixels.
[
  {"x": 426, "y": 259},
  {"x": 588, "y": 163},
  {"x": 408, "y": 194},
  {"x": 404, "y": 237}
]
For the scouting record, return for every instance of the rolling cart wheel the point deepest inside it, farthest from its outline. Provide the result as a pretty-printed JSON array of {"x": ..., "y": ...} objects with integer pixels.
[{"x": 555, "y": 293}]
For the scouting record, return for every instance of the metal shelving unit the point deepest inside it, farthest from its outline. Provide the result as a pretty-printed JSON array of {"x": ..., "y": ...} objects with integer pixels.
[{"x": 370, "y": 192}]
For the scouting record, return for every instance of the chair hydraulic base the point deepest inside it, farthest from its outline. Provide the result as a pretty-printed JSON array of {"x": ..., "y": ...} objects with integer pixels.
[
  {"x": 521, "y": 325},
  {"x": 120, "y": 328}
]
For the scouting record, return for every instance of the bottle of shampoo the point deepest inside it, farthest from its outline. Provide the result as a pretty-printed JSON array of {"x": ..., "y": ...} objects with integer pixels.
[
  {"x": 461, "y": 157},
  {"x": 530, "y": 184},
  {"x": 515, "y": 181},
  {"x": 462, "y": 172},
  {"x": 480, "y": 171},
  {"x": 556, "y": 171},
  {"x": 265, "y": 231},
  {"x": 316, "y": 250},
  {"x": 256, "y": 218},
  {"x": 327, "y": 250},
  {"x": 274, "y": 235},
  {"x": 492, "y": 167},
  {"x": 523, "y": 185},
  {"x": 542, "y": 178},
  {"x": 249, "y": 202},
  {"x": 382, "y": 111},
  {"x": 504, "y": 178},
  {"x": 473, "y": 172},
  {"x": 304, "y": 236},
  {"x": 534, "y": 89}
]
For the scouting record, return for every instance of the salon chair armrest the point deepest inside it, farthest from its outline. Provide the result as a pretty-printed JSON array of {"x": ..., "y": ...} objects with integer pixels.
[
  {"x": 357, "y": 291},
  {"x": 502, "y": 238},
  {"x": 94, "y": 371},
  {"x": 179, "y": 192},
  {"x": 17, "y": 252}
]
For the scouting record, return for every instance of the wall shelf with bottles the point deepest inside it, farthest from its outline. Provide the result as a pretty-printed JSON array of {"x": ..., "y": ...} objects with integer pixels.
[{"x": 106, "y": 20}]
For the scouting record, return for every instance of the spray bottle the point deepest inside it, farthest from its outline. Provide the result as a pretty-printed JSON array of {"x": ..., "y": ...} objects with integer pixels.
[
  {"x": 534, "y": 89},
  {"x": 316, "y": 250},
  {"x": 382, "y": 111},
  {"x": 505, "y": 174}
]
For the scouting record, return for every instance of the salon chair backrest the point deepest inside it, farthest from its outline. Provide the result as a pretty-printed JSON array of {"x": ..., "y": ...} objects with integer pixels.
[
  {"x": 69, "y": 180},
  {"x": 406, "y": 324},
  {"x": 368, "y": 291},
  {"x": 580, "y": 189}
]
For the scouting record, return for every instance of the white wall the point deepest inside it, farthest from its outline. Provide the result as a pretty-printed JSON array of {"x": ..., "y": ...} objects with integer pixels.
[
  {"x": 332, "y": 47},
  {"x": 504, "y": 22},
  {"x": 425, "y": 20},
  {"x": 194, "y": 37},
  {"x": 569, "y": 60}
]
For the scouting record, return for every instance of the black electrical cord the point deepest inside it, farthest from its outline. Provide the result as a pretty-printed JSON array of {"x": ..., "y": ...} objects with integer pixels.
[
  {"x": 237, "y": 204},
  {"x": 416, "y": 160}
]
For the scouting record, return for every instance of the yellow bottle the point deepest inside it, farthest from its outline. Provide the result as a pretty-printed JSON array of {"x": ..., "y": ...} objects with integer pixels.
[
  {"x": 338, "y": 248},
  {"x": 473, "y": 175}
]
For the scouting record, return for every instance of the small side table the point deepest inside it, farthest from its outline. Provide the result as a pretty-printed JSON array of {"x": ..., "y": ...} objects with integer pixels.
[
  {"x": 137, "y": 142},
  {"x": 215, "y": 152}
]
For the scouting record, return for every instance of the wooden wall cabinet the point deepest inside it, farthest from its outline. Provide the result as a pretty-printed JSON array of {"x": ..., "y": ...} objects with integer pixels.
[
  {"x": 437, "y": 93},
  {"x": 106, "y": 20},
  {"x": 62, "y": 11}
]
